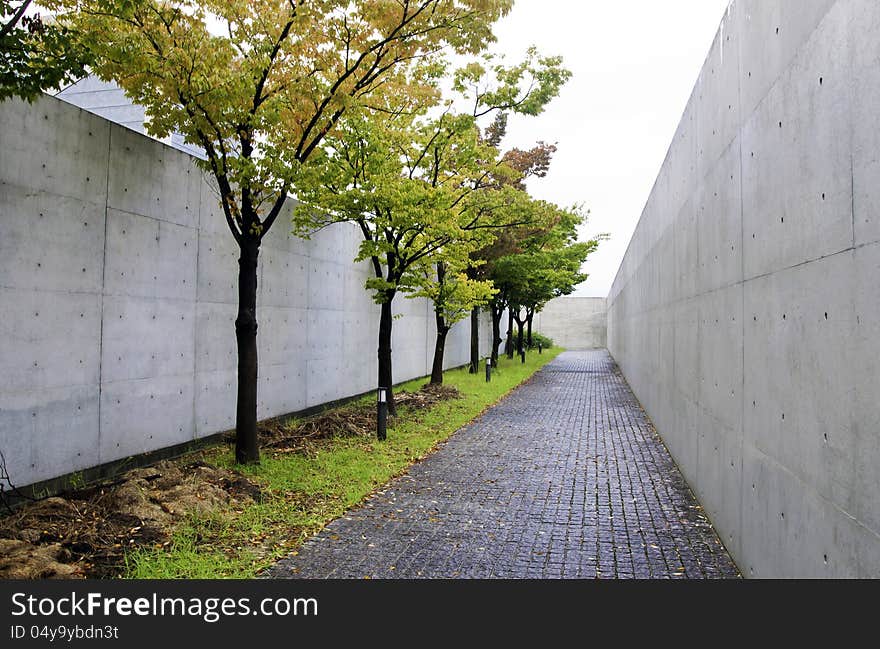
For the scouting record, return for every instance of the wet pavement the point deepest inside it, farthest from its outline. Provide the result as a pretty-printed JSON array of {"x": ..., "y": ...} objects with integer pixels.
[{"x": 564, "y": 478}]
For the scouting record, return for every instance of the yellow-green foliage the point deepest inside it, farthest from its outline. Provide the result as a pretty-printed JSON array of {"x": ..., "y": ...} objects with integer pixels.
[{"x": 258, "y": 84}]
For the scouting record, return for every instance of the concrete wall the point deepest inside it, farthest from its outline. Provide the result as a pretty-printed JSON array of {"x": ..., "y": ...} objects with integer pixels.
[
  {"x": 746, "y": 312},
  {"x": 117, "y": 285},
  {"x": 108, "y": 100},
  {"x": 574, "y": 322}
]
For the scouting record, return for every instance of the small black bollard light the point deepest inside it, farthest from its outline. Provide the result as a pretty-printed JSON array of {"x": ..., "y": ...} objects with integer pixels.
[
  {"x": 488, "y": 369},
  {"x": 539, "y": 348},
  {"x": 522, "y": 354},
  {"x": 381, "y": 412}
]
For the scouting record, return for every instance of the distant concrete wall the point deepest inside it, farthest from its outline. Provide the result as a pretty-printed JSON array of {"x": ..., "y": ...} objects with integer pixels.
[
  {"x": 118, "y": 293},
  {"x": 574, "y": 322},
  {"x": 746, "y": 312}
]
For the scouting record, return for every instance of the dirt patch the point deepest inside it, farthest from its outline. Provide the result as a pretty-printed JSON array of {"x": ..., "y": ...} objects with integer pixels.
[
  {"x": 23, "y": 560},
  {"x": 85, "y": 533},
  {"x": 427, "y": 396},
  {"x": 346, "y": 422},
  {"x": 351, "y": 421}
]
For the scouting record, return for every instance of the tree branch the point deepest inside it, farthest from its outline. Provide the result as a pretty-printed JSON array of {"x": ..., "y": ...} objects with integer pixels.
[
  {"x": 8, "y": 27},
  {"x": 276, "y": 209}
]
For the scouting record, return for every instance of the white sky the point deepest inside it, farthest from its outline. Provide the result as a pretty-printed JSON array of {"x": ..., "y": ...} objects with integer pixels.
[{"x": 634, "y": 64}]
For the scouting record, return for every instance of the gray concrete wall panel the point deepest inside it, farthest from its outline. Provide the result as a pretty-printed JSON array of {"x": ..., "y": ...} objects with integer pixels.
[{"x": 573, "y": 322}]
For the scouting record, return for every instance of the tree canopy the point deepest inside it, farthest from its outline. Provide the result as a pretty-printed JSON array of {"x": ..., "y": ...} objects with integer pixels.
[
  {"x": 419, "y": 192},
  {"x": 546, "y": 265},
  {"x": 36, "y": 53},
  {"x": 259, "y": 83}
]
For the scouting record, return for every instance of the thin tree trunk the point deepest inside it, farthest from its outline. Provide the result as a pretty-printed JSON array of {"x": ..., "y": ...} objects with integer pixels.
[
  {"x": 509, "y": 348},
  {"x": 439, "y": 349},
  {"x": 475, "y": 340},
  {"x": 531, "y": 314},
  {"x": 385, "y": 379},
  {"x": 519, "y": 336},
  {"x": 247, "y": 450},
  {"x": 496, "y": 333}
]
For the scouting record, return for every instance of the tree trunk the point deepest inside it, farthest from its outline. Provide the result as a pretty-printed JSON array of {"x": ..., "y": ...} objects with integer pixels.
[
  {"x": 496, "y": 333},
  {"x": 531, "y": 314},
  {"x": 519, "y": 336},
  {"x": 439, "y": 348},
  {"x": 475, "y": 340},
  {"x": 385, "y": 379},
  {"x": 509, "y": 348},
  {"x": 247, "y": 450}
]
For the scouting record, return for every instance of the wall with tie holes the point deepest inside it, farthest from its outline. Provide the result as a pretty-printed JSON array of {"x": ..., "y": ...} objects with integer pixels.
[
  {"x": 574, "y": 322},
  {"x": 746, "y": 312},
  {"x": 118, "y": 292}
]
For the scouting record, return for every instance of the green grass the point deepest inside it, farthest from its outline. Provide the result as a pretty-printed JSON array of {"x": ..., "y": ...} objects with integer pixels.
[{"x": 305, "y": 491}]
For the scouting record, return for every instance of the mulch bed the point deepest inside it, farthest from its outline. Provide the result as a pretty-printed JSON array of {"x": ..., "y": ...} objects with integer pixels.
[{"x": 351, "y": 421}]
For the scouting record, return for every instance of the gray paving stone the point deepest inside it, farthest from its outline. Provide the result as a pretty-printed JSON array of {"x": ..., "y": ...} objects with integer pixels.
[{"x": 565, "y": 478}]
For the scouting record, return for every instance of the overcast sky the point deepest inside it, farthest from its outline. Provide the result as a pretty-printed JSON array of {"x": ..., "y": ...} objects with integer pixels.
[{"x": 635, "y": 63}]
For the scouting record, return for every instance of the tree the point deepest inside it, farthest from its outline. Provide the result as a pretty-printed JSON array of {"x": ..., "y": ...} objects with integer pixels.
[
  {"x": 531, "y": 163},
  {"x": 35, "y": 54},
  {"x": 454, "y": 295},
  {"x": 258, "y": 84},
  {"x": 420, "y": 192},
  {"x": 546, "y": 78},
  {"x": 511, "y": 241},
  {"x": 541, "y": 276},
  {"x": 417, "y": 183},
  {"x": 548, "y": 267}
]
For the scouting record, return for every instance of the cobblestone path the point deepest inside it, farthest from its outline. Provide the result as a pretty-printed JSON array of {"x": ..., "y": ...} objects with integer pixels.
[{"x": 565, "y": 478}]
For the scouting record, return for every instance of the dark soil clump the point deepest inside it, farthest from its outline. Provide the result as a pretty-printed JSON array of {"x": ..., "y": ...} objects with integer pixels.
[{"x": 85, "y": 533}]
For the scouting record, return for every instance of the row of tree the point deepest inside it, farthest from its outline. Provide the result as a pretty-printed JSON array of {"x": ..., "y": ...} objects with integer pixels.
[{"x": 352, "y": 108}]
